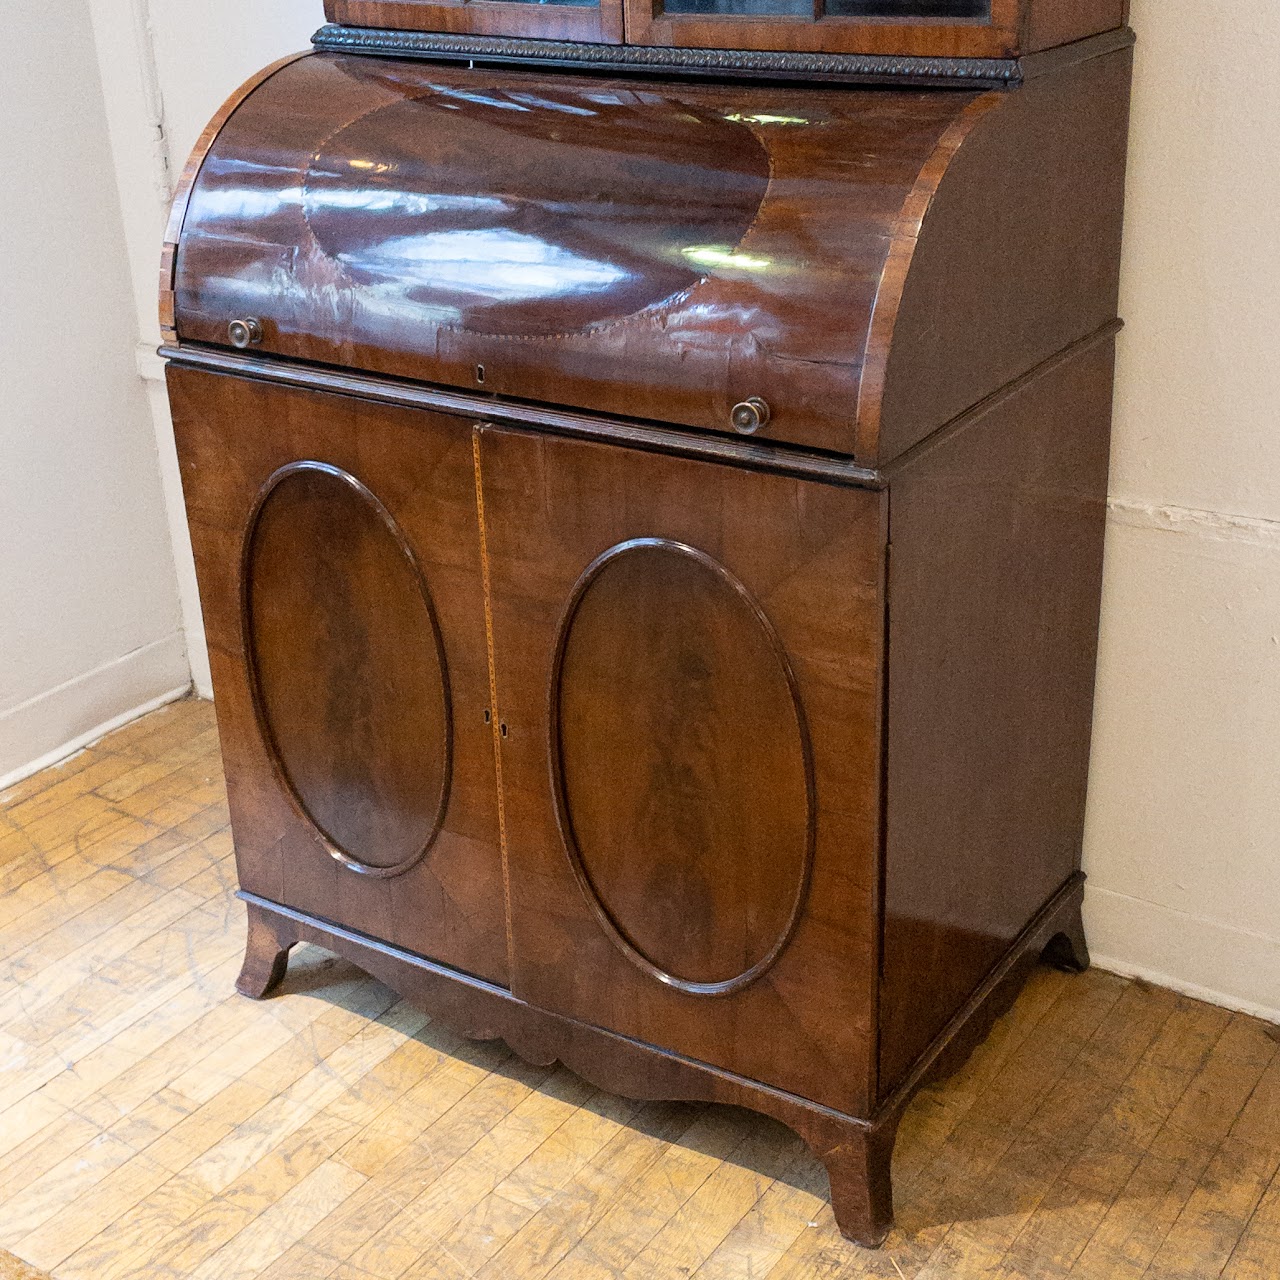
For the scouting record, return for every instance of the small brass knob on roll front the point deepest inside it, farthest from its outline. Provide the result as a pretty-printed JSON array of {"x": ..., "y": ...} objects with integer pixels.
[
  {"x": 749, "y": 416},
  {"x": 245, "y": 333}
]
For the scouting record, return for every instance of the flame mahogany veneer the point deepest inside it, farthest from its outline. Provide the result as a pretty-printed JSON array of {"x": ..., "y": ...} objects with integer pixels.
[{"x": 747, "y": 768}]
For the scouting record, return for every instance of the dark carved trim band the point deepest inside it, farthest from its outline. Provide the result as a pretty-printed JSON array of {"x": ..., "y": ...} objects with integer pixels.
[{"x": 966, "y": 72}]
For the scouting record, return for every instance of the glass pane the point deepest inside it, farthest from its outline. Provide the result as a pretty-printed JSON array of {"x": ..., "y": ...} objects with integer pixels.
[
  {"x": 743, "y": 8},
  {"x": 907, "y": 8}
]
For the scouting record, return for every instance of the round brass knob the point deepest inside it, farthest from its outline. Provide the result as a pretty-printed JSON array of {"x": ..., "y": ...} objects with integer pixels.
[
  {"x": 245, "y": 333},
  {"x": 750, "y": 415}
]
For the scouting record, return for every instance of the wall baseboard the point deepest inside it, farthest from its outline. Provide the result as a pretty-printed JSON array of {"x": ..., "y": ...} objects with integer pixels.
[
  {"x": 1215, "y": 962},
  {"x": 56, "y": 724}
]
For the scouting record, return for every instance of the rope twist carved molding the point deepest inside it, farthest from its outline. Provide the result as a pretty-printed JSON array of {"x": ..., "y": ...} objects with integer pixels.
[{"x": 970, "y": 71}]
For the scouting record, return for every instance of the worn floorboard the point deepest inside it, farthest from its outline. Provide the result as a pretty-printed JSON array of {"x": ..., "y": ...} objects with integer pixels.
[{"x": 155, "y": 1124}]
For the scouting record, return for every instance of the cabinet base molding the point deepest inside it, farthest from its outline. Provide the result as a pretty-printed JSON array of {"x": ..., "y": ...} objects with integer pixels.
[{"x": 856, "y": 1152}]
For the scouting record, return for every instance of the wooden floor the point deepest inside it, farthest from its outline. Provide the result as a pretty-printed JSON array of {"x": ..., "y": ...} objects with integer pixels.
[{"x": 154, "y": 1124}]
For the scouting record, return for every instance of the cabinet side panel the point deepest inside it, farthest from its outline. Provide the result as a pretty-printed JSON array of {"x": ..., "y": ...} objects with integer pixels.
[
  {"x": 1019, "y": 254},
  {"x": 996, "y": 537}
]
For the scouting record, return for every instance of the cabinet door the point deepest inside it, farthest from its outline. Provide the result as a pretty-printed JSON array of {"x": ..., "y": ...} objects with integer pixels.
[
  {"x": 337, "y": 547},
  {"x": 596, "y": 21},
  {"x": 929, "y": 28},
  {"x": 689, "y": 681}
]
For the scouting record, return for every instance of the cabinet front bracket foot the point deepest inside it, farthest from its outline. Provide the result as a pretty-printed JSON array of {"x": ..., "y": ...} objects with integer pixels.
[
  {"x": 1068, "y": 950},
  {"x": 266, "y": 954},
  {"x": 857, "y": 1159}
]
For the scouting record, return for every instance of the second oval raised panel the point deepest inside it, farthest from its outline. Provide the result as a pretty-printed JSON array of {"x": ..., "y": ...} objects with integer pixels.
[
  {"x": 347, "y": 667},
  {"x": 684, "y": 781}
]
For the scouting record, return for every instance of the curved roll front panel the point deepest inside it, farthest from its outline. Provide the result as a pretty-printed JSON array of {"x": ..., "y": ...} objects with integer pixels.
[
  {"x": 347, "y": 667},
  {"x": 474, "y": 216},
  {"x": 671, "y": 684},
  {"x": 655, "y": 251}
]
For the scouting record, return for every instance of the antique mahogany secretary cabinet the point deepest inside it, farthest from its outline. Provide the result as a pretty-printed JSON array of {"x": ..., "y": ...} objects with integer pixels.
[{"x": 646, "y": 462}]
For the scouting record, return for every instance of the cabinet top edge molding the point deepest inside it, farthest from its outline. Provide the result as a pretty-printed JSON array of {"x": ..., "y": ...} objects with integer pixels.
[
  {"x": 953, "y": 31},
  {"x": 736, "y": 64}
]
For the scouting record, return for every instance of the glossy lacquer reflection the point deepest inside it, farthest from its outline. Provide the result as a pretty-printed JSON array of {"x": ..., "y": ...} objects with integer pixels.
[
  {"x": 468, "y": 202},
  {"x": 648, "y": 250}
]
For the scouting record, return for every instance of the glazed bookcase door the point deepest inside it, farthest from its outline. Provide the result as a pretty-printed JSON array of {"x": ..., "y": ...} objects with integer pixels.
[
  {"x": 930, "y": 28},
  {"x": 689, "y": 696},
  {"x": 337, "y": 548},
  {"x": 595, "y": 21}
]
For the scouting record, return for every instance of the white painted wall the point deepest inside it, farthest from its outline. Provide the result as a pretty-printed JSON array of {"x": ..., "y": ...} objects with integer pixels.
[
  {"x": 1183, "y": 839},
  {"x": 167, "y": 65},
  {"x": 90, "y": 627}
]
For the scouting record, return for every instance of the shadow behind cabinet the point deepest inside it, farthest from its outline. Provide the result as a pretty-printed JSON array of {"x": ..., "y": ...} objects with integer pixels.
[{"x": 650, "y": 533}]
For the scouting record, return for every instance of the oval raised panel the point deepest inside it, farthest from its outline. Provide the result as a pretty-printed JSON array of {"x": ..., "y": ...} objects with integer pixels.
[
  {"x": 347, "y": 667},
  {"x": 682, "y": 763}
]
